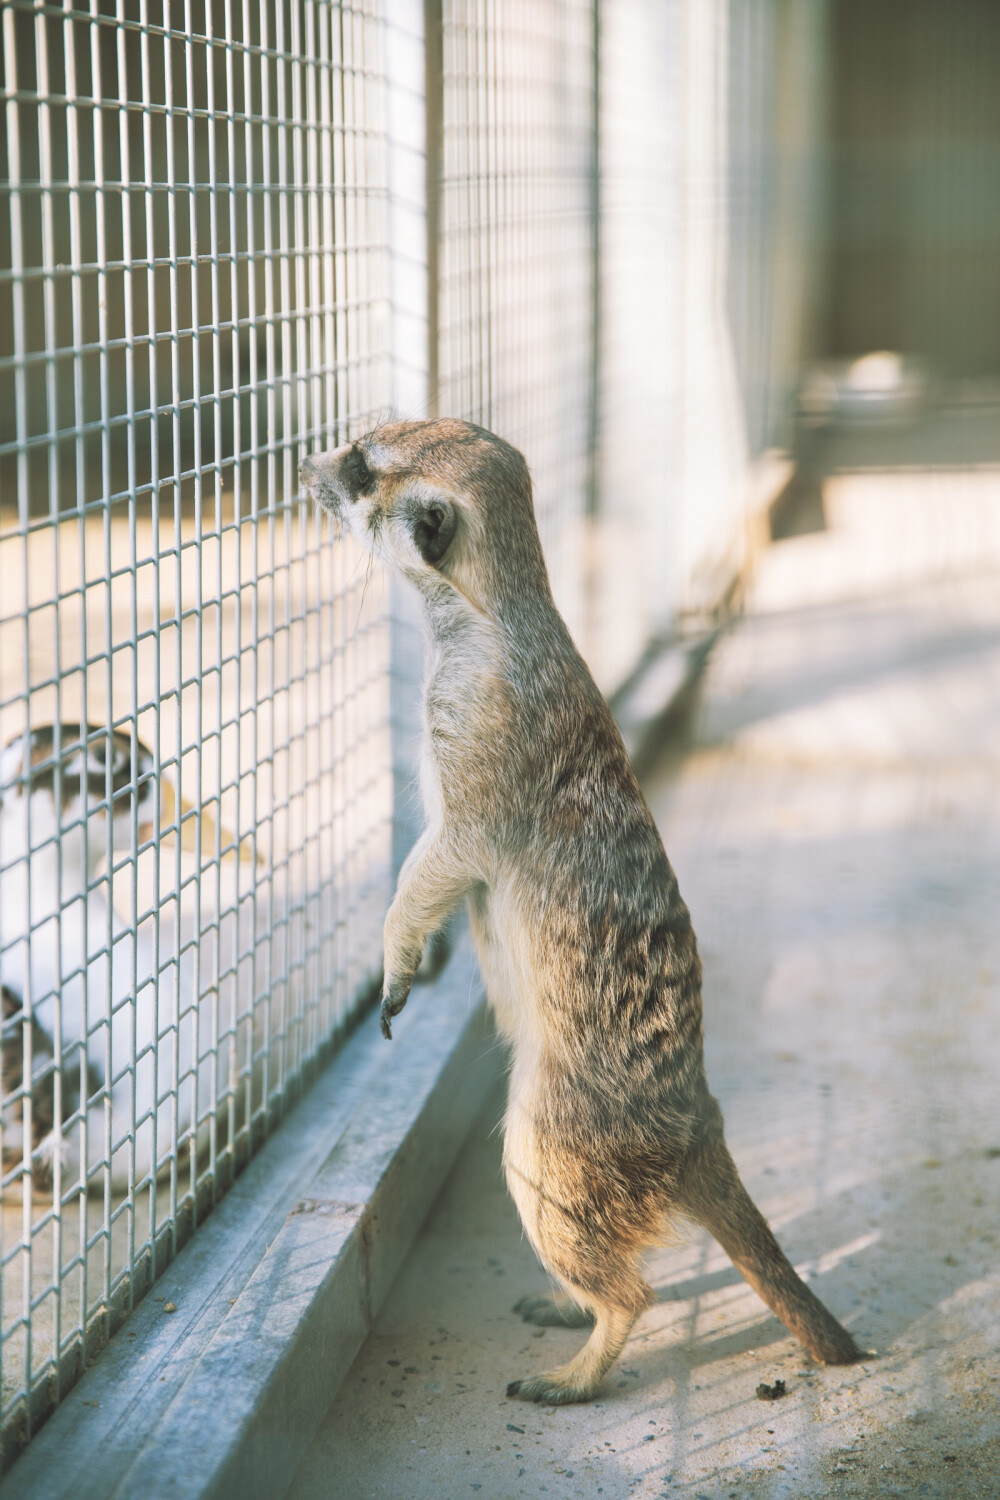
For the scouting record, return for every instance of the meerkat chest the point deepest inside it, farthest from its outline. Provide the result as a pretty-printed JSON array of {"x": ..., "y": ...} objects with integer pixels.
[
  {"x": 507, "y": 962},
  {"x": 430, "y": 784},
  {"x": 463, "y": 718}
]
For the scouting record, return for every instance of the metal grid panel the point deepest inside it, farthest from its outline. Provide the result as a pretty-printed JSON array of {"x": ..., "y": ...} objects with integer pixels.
[
  {"x": 516, "y": 277},
  {"x": 687, "y": 370},
  {"x": 604, "y": 292},
  {"x": 193, "y": 292},
  {"x": 643, "y": 93}
]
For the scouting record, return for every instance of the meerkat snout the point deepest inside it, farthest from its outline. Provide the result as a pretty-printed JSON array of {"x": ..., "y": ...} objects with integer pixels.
[
  {"x": 331, "y": 478},
  {"x": 535, "y": 817}
]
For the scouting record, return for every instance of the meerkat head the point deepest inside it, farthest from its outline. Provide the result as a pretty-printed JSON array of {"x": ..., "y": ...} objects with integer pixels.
[{"x": 446, "y": 503}]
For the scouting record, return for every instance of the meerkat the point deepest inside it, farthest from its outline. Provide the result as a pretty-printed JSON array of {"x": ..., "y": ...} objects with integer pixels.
[{"x": 536, "y": 819}]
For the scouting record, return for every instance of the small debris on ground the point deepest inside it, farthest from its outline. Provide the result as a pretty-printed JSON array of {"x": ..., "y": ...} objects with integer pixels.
[
  {"x": 170, "y": 1307},
  {"x": 773, "y": 1392}
]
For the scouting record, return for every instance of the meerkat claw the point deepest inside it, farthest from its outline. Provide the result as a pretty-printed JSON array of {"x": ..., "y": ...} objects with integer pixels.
[{"x": 394, "y": 997}]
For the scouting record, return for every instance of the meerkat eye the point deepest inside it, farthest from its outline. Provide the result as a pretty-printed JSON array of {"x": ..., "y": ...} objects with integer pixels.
[{"x": 357, "y": 475}]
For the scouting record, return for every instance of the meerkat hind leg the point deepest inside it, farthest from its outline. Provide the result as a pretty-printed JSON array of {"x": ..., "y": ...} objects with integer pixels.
[
  {"x": 554, "y": 1310},
  {"x": 579, "y": 1379}
]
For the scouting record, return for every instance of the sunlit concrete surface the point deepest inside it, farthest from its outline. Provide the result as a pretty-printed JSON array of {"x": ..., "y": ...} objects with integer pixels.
[{"x": 836, "y": 830}]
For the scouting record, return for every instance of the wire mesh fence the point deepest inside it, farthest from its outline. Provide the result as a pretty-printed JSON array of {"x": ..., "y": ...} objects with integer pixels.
[
  {"x": 516, "y": 265},
  {"x": 196, "y": 799}
]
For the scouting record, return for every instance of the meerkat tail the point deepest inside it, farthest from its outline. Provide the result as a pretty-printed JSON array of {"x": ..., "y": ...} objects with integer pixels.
[{"x": 715, "y": 1197}]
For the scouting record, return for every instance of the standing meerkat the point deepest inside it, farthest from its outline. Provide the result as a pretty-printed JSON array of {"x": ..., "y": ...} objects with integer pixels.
[{"x": 534, "y": 815}]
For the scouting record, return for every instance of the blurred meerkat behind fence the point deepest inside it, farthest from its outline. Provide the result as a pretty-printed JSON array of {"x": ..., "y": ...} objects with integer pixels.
[{"x": 535, "y": 817}]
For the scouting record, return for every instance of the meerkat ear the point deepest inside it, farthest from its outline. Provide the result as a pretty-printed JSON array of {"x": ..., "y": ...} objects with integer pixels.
[{"x": 434, "y": 525}]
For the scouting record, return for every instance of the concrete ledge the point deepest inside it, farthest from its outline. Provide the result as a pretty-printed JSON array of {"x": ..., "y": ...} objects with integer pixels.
[
  {"x": 658, "y": 691},
  {"x": 276, "y": 1292}
]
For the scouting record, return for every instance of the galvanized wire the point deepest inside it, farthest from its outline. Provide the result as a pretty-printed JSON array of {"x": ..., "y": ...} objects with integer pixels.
[
  {"x": 194, "y": 292},
  {"x": 516, "y": 279}
]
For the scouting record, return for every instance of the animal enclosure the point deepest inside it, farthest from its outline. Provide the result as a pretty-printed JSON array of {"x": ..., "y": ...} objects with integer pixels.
[{"x": 233, "y": 233}]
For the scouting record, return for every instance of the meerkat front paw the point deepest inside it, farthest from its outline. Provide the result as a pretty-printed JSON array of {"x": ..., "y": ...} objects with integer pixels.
[{"x": 395, "y": 994}]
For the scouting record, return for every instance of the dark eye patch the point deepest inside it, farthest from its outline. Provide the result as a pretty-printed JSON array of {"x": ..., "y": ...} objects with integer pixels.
[
  {"x": 74, "y": 761},
  {"x": 357, "y": 475}
]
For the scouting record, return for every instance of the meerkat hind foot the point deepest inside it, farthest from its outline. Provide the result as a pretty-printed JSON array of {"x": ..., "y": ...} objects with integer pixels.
[
  {"x": 554, "y": 1311},
  {"x": 550, "y": 1388},
  {"x": 579, "y": 1379}
]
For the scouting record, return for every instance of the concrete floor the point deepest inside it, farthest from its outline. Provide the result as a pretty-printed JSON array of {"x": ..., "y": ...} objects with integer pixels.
[{"x": 836, "y": 830}]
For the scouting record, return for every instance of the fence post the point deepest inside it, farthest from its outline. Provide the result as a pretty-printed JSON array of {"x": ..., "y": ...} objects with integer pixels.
[
  {"x": 591, "y": 622},
  {"x": 412, "y": 278}
]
